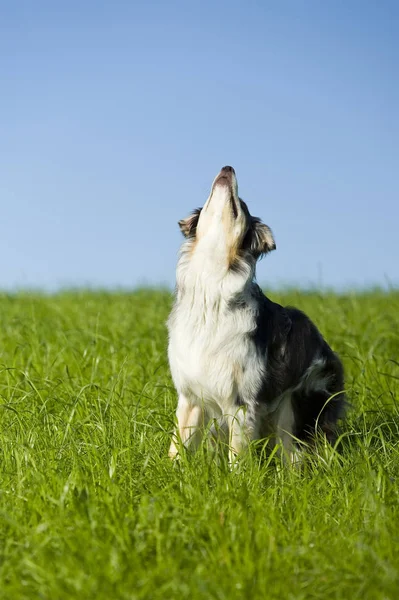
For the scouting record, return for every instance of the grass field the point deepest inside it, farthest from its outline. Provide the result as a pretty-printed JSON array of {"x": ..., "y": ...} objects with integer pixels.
[{"x": 91, "y": 507}]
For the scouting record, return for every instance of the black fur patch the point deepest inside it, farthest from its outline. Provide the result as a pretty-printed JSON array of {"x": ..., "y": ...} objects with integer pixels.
[{"x": 289, "y": 343}]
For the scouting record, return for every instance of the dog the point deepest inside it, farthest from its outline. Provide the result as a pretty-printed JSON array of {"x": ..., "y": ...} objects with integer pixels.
[{"x": 262, "y": 370}]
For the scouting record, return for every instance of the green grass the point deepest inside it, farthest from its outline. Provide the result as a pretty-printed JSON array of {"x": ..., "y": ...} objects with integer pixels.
[{"x": 91, "y": 507}]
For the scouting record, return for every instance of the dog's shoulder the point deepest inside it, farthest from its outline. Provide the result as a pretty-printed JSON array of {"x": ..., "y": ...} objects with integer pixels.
[
  {"x": 273, "y": 322},
  {"x": 288, "y": 335},
  {"x": 304, "y": 344},
  {"x": 304, "y": 332}
]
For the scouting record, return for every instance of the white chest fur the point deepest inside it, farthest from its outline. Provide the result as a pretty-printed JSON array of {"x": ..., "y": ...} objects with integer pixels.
[{"x": 212, "y": 356}]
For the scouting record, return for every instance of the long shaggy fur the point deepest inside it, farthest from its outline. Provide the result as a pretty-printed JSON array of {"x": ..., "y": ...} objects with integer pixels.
[{"x": 258, "y": 367}]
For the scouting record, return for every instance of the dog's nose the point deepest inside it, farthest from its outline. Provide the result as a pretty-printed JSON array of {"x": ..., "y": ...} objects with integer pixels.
[{"x": 228, "y": 170}]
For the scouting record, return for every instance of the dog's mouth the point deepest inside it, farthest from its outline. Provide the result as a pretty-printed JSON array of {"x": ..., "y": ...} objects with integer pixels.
[{"x": 227, "y": 178}]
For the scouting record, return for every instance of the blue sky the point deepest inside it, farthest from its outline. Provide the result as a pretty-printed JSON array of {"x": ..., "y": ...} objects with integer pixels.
[{"x": 116, "y": 116}]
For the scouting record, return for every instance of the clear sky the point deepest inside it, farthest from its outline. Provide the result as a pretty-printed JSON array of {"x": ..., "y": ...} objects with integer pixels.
[{"x": 116, "y": 116}]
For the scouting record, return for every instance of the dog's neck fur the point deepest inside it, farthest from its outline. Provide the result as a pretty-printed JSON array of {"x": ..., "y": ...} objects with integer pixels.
[{"x": 204, "y": 275}]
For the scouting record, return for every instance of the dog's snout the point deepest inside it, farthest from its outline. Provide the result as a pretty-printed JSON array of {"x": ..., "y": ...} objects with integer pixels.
[
  {"x": 227, "y": 169},
  {"x": 226, "y": 176}
]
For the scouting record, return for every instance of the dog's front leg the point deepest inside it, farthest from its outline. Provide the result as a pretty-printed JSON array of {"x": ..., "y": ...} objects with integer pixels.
[
  {"x": 241, "y": 431},
  {"x": 190, "y": 426}
]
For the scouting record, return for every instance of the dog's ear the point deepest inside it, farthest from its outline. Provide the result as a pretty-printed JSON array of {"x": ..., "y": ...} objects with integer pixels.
[
  {"x": 188, "y": 226},
  {"x": 262, "y": 240}
]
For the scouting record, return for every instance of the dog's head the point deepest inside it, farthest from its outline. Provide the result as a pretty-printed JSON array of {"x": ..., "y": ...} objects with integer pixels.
[{"x": 225, "y": 225}]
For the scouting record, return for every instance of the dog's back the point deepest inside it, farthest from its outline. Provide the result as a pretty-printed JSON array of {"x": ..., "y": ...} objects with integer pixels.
[{"x": 300, "y": 361}]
